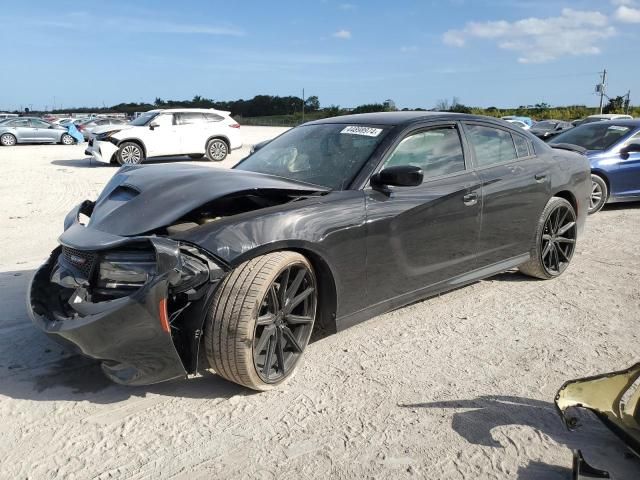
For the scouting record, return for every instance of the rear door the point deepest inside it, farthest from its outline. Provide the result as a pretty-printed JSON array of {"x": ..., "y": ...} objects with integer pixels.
[
  {"x": 23, "y": 129},
  {"x": 192, "y": 127},
  {"x": 516, "y": 186},
  {"x": 420, "y": 236}
]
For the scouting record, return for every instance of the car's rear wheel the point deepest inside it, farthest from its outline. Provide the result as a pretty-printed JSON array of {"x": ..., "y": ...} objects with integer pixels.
[
  {"x": 130, "y": 153},
  {"x": 599, "y": 193},
  {"x": 66, "y": 139},
  {"x": 555, "y": 241},
  {"x": 7, "y": 140},
  {"x": 196, "y": 156},
  {"x": 261, "y": 319},
  {"x": 217, "y": 150}
]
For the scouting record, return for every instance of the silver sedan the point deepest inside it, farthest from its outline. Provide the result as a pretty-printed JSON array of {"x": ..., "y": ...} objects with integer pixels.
[{"x": 32, "y": 130}]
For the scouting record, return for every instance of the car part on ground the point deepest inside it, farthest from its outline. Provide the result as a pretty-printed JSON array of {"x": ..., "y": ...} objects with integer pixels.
[
  {"x": 613, "y": 397},
  {"x": 328, "y": 224}
]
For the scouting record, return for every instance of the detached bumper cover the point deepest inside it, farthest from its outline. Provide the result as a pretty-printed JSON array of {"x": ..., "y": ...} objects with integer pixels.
[{"x": 613, "y": 397}]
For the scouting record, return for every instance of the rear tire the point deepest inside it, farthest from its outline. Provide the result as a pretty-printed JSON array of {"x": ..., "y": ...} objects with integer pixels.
[
  {"x": 554, "y": 242},
  {"x": 599, "y": 193},
  {"x": 66, "y": 139},
  {"x": 130, "y": 153},
  {"x": 217, "y": 150},
  {"x": 8, "y": 140},
  {"x": 261, "y": 319}
]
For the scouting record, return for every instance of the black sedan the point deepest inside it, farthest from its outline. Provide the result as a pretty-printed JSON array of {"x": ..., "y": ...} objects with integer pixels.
[
  {"x": 331, "y": 223},
  {"x": 547, "y": 129}
]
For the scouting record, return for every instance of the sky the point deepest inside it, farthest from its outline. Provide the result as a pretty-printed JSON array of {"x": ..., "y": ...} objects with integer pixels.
[{"x": 502, "y": 53}]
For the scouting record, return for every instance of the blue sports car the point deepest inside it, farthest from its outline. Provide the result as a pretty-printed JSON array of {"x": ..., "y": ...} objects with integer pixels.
[{"x": 613, "y": 148}]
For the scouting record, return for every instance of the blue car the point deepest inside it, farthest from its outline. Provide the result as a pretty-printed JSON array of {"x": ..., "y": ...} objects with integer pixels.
[{"x": 613, "y": 148}]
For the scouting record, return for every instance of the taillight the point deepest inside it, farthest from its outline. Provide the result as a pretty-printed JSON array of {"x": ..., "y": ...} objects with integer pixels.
[
  {"x": 80, "y": 127},
  {"x": 235, "y": 125}
]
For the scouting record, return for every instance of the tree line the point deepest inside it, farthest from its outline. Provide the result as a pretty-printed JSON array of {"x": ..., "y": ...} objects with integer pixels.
[{"x": 288, "y": 109}]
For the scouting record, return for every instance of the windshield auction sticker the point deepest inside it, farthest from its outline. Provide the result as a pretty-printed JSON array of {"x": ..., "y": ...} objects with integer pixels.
[{"x": 366, "y": 131}]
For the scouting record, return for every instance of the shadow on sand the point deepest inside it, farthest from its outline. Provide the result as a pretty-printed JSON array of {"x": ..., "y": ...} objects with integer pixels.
[{"x": 475, "y": 419}]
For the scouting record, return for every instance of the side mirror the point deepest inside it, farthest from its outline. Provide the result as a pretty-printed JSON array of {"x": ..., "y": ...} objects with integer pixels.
[
  {"x": 153, "y": 125},
  {"x": 399, "y": 176},
  {"x": 631, "y": 148}
]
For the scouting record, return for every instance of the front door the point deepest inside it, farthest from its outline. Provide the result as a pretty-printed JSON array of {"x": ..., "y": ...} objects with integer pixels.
[
  {"x": 626, "y": 177},
  {"x": 418, "y": 237}
]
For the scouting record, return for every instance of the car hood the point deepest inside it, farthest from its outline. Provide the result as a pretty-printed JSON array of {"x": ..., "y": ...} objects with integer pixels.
[
  {"x": 141, "y": 199},
  {"x": 110, "y": 128}
]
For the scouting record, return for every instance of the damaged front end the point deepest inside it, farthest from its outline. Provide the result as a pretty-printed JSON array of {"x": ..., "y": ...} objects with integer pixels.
[
  {"x": 615, "y": 399},
  {"x": 135, "y": 303}
]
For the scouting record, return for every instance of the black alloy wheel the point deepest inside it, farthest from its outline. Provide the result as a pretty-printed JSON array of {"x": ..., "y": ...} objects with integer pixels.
[
  {"x": 558, "y": 239},
  {"x": 284, "y": 323},
  {"x": 554, "y": 241}
]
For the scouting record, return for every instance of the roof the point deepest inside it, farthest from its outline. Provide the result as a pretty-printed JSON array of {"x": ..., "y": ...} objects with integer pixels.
[
  {"x": 610, "y": 115},
  {"x": 201, "y": 110},
  {"x": 632, "y": 123},
  {"x": 396, "y": 118}
]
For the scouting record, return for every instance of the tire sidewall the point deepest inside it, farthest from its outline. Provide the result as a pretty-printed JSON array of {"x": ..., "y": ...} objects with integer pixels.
[{"x": 66, "y": 135}]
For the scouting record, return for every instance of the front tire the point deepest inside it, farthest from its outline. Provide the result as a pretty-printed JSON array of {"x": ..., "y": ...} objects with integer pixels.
[
  {"x": 599, "y": 193},
  {"x": 217, "y": 150},
  {"x": 554, "y": 242},
  {"x": 8, "y": 140},
  {"x": 130, "y": 153},
  {"x": 261, "y": 319},
  {"x": 66, "y": 139}
]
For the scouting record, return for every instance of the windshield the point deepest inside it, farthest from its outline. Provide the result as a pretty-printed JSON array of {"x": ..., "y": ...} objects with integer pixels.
[
  {"x": 330, "y": 155},
  {"x": 546, "y": 125},
  {"x": 143, "y": 119},
  {"x": 594, "y": 136}
]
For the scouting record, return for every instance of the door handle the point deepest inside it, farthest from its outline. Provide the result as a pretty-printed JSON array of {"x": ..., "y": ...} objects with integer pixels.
[
  {"x": 470, "y": 199},
  {"x": 540, "y": 177}
]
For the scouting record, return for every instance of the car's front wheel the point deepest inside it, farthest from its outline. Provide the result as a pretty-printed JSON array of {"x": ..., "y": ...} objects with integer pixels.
[
  {"x": 261, "y": 319},
  {"x": 7, "y": 140},
  {"x": 599, "y": 193},
  {"x": 66, "y": 139},
  {"x": 217, "y": 150},
  {"x": 130, "y": 153},
  {"x": 554, "y": 242}
]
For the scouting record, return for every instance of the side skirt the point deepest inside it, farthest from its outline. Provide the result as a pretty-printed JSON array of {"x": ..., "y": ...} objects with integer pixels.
[{"x": 429, "y": 291}]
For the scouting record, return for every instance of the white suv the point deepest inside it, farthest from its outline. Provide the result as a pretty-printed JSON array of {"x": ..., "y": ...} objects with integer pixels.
[{"x": 182, "y": 131}]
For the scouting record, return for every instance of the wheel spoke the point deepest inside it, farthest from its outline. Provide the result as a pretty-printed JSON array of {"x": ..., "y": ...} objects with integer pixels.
[
  {"x": 565, "y": 240},
  {"x": 267, "y": 333},
  {"x": 292, "y": 339},
  {"x": 298, "y": 319},
  {"x": 566, "y": 228},
  {"x": 563, "y": 254},
  {"x": 546, "y": 250},
  {"x": 297, "y": 300},
  {"x": 282, "y": 289},
  {"x": 266, "y": 319},
  {"x": 268, "y": 359},
  {"x": 273, "y": 295},
  {"x": 295, "y": 285},
  {"x": 280, "y": 350}
]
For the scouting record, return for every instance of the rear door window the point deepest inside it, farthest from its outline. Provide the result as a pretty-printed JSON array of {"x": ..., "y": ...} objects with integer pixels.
[
  {"x": 190, "y": 118},
  {"x": 522, "y": 145},
  {"x": 491, "y": 146}
]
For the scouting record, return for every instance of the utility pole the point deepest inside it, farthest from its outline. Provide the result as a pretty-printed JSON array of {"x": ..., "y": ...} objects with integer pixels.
[
  {"x": 601, "y": 89},
  {"x": 627, "y": 103},
  {"x": 302, "y": 104}
]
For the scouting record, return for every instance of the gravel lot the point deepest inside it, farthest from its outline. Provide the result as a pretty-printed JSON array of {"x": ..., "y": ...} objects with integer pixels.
[{"x": 459, "y": 386}]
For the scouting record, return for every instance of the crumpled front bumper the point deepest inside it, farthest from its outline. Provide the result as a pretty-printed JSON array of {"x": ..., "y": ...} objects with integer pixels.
[
  {"x": 101, "y": 151},
  {"x": 126, "y": 334}
]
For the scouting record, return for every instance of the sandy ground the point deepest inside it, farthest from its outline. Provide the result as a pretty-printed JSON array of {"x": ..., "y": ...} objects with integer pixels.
[{"x": 459, "y": 386}]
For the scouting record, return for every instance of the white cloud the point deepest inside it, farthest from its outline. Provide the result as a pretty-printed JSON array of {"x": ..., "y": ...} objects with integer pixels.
[
  {"x": 342, "y": 34},
  {"x": 540, "y": 40},
  {"x": 627, "y": 14}
]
